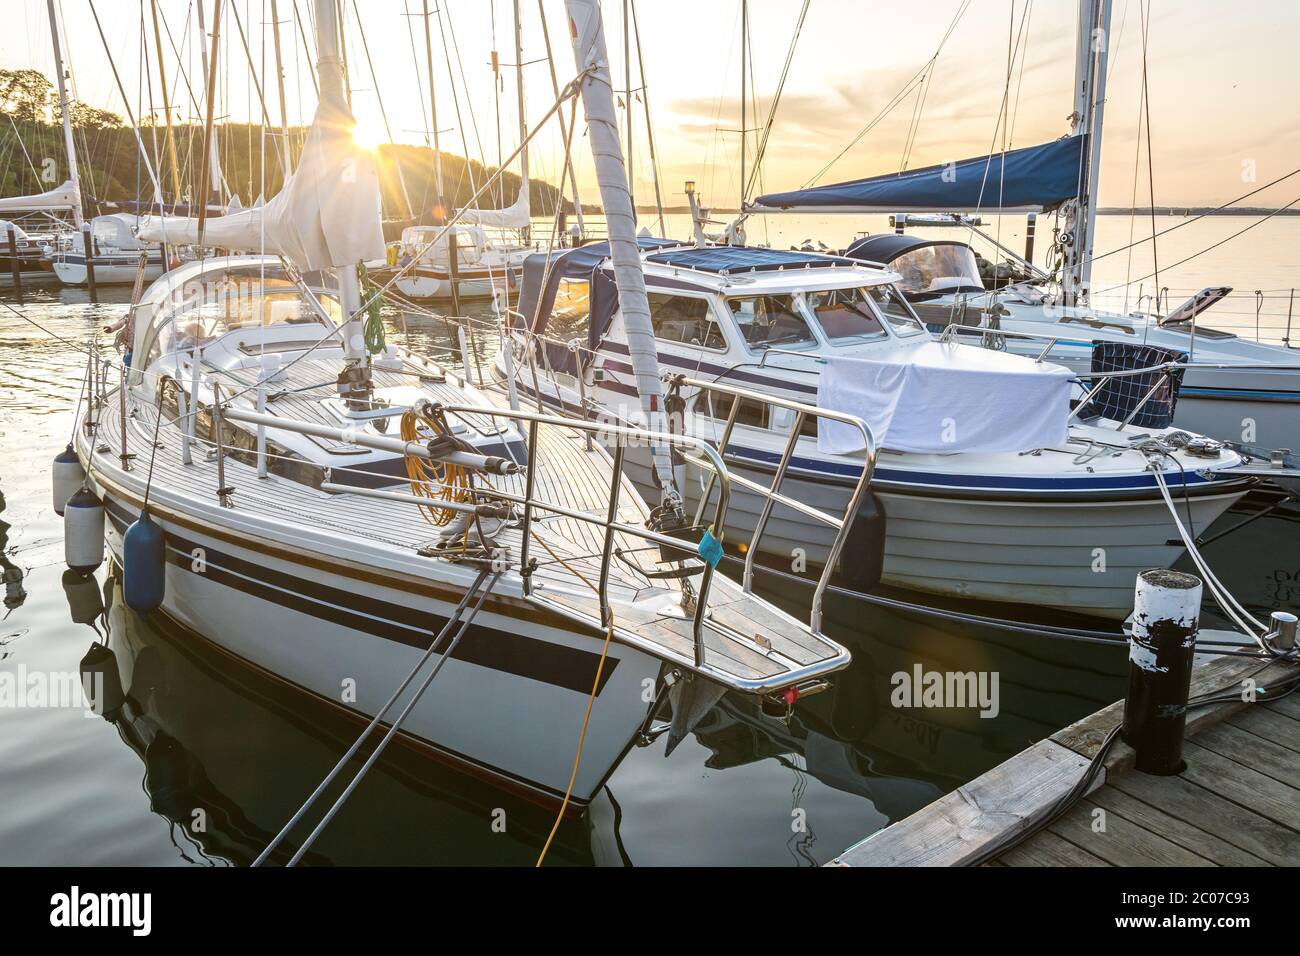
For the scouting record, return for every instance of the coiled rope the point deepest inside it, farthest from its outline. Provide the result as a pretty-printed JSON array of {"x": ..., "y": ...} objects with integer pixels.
[{"x": 435, "y": 480}]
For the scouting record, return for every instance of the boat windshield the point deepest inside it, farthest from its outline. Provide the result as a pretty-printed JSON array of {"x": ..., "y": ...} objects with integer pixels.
[
  {"x": 239, "y": 305},
  {"x": 935, "y": 270},
  {"x": 765, "y": 321},
  {"x": 893, "y": 305},
  {"x": 845, "y": 315}
]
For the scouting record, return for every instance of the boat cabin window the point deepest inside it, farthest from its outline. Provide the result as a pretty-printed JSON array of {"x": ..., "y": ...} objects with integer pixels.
[
  {"x": 845, "y": 314},
  {"x": 896, "y": 309},
  {"x": 770, "y": 320},
  {"x": 753, "y": 413},
  {"x": 571, "y": 312},
  {"x": 685, "y": 319},
  {"x": 235, "y": 305}
]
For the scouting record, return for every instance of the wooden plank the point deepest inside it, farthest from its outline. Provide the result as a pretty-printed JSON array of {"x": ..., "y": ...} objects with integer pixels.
[
  {"x": 1193, "y": 838},
  {"x": 1244, "y": 747},
  {"x": 1212, "y": 813},
  {"x": 1048, "y": 849},
  {"x": 993, "y": 806},
  {"x": 1122, "y": 842},
  {"x": 1269, "y": 724},
  {"x": 1242, "y": 785},
  {"x": 1289, "y": 705}
]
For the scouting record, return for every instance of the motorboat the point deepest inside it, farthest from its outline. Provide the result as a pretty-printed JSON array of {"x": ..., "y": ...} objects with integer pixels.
[{"x": 1064, "y": 523}]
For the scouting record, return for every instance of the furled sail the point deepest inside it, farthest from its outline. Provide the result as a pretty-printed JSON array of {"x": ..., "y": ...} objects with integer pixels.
[
  {"x": 327, "y": 214},
  {"x": 61, "y": 197},
  {"x": 515, "y": 216},
  {"x": 1031, "y": 179}
]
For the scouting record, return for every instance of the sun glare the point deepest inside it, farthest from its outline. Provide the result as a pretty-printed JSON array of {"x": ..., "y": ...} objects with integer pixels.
[{"x": 369, "y": 135}]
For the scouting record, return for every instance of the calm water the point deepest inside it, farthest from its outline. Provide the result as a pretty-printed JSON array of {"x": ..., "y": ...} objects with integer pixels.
[{"x": 205, "y": 760}]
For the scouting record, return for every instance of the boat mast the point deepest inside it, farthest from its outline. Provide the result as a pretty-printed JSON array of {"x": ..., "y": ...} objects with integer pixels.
[
  {"x": 213, "y": 163},
  {"x": 564, "y": 133},
  {"x": 68, "y": 144},
  {"x": 1089, "y": 107},
  {"x": 627, "y": 102},
  {"x": 167, "y": 106},
  {"x": 597, "y": 86},
  {"x": 525, "y": 232},
  {"x": 440, "y": 212},
  {"x": 744, "y": 100},
  {"x": 279, "y": 78},
  {"x": 329, "y": 70}
]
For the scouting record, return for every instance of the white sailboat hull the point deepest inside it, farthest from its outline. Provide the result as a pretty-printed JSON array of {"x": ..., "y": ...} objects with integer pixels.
[
  {"x": 120, "y": 270},
  {"x": 507, "y": 707},
  {"x": 418, "y": 284}
]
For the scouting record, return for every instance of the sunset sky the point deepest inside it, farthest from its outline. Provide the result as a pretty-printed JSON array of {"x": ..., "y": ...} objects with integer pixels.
[{"x": 1224, "y": 89}]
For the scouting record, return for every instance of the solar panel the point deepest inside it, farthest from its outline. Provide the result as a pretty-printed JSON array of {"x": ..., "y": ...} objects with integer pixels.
[{"x": 729, "y": 259}]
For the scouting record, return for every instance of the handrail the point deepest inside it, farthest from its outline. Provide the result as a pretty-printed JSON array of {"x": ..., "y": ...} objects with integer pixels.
[
  {"x": 610, "y": 522},
  {"x": 773, "y": 495},
  {"x": 529, "y": 500}
]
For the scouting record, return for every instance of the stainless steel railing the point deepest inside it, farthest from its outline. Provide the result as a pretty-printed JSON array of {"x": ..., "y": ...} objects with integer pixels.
[{"x": 772, "y": 495}]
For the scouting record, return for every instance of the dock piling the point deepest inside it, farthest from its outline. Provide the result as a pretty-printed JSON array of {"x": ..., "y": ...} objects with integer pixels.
[
  {"x": 89, "y": 246},
  {"x": 15, "y": 265},
  {"x": 1161, "y": 650}
]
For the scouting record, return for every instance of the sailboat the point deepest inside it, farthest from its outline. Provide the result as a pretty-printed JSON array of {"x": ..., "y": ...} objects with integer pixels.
[
  {"x": 1232, "y": 388},
  {"x": 58, "y": 210},
  {"x": 346, "y": 516},
  {"x": 464, "y": 261}
]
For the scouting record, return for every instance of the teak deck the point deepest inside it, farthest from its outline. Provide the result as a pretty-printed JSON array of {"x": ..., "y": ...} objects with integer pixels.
[
  {"x": 568, "y": 550},
  {"x": 1237, "y": 803}
]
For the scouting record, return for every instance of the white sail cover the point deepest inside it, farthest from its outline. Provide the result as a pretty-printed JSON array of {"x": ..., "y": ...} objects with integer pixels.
[
  {"x": 327, "y": 214},
  {"x": 61, "y": 197},
  {"x": 515, "y": 216}
]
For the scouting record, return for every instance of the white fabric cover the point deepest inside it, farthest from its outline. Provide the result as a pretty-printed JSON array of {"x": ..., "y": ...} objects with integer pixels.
[
  {"x": 515, "y": 216},
  {"x": 941, "y": 398},
  {"x": 327, "y": 214},
  {"x": 61, "y": 197}
]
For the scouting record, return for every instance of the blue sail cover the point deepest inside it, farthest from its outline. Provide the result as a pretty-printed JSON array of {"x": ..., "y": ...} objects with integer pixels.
[{"x": 1031, "y": 179}]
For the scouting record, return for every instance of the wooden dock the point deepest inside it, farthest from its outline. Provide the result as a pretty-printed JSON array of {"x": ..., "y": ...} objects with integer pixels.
[{"x": 1237, "y": 803}]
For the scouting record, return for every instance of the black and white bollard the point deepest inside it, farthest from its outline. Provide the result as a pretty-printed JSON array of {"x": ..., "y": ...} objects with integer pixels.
[{"x": 1166, "y": 612}]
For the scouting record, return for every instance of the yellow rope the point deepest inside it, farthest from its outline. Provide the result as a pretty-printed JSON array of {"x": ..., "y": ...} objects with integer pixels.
[
  {"x": 582, "y": 737},
  {"x": 435, "y": 480}
]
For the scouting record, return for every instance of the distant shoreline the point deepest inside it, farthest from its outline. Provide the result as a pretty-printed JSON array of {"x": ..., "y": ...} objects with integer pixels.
[{"x": 716, "y": 211}]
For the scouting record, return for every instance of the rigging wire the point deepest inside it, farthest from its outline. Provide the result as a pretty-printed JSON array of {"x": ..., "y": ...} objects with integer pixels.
[
  {"x": 761, "y": 150},
  {"x": 896, "y": 99}
]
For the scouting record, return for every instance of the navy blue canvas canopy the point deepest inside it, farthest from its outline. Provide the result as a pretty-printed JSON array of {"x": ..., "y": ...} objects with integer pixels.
[
  {"x": 885, "y": 247},
  {"x": 727, "y": 259},
  {"x": 537, "y": 299},
  {"x": 1034, "y": 178}
]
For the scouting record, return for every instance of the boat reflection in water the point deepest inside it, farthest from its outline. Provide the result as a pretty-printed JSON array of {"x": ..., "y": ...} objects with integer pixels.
[{"x": 230, "y": 752}]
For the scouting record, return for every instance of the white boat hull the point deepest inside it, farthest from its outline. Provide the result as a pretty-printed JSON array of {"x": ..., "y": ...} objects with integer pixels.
[
  {"x": 116, "y": 271},
  {"x": 507, "y": 707},
  {"x": 435, "y": 287},
  {"x": 1079, "y": 556}
]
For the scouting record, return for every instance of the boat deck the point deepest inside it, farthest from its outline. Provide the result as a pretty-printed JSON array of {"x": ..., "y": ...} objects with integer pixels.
[{"x": 743, "y": 637}]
